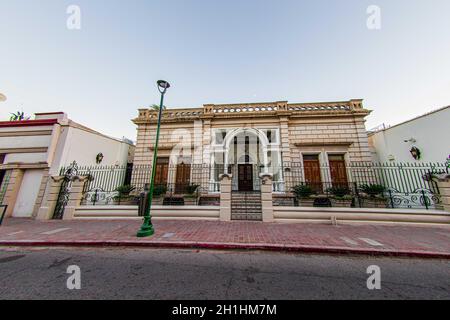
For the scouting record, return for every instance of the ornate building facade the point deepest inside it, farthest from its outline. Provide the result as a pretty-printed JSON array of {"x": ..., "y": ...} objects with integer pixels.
[{"x": 199, "y": 145}]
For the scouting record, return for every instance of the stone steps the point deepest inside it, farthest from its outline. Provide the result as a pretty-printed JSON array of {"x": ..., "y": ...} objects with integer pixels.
[{"x": 246, "y": 206}]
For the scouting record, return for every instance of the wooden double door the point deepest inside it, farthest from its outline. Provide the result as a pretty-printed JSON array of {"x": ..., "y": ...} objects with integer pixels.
[
  {"x": 182, "y": 175},
  {"x": 183, "y": 178},
  {"x": 245, "y": 177},
  {"x": 313, "y": 174},
  {"x": 338, "y": 172}
]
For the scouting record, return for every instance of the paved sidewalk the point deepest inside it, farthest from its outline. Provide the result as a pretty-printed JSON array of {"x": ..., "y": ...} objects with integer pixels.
[{"x": 417, "y": 241}]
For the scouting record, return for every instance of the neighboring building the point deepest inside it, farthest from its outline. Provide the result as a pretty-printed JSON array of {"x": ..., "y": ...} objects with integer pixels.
[
  {"x": 33, "y": 150},
  {"x": 315, "y": 140},
  {"x": 428, "y": 133}
]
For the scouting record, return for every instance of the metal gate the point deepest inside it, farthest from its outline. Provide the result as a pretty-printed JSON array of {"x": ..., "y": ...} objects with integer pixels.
[
  {"x": 64, "y": 192},
  {"x": 246, "y": 206}
]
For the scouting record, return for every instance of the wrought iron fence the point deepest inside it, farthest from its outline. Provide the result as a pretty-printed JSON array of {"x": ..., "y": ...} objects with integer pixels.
[
  {"x": 407, "y": 185},
  {"x": 403, "y": 177},
  {"x": 105, "y": 182},
  {"x": 332, "y": 194},
  {"x": 4, "y": 185},
  {"x": 3, "y": 209}
]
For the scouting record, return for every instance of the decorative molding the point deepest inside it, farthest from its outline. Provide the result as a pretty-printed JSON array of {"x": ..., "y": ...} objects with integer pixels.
[
  {"x": 24, "y": 150},
  {"x": 25, "y": 133},
  {"x": 225, "y": 175},
  {"x": 323, "y": 144},
  {"x": 265, "y": 175},
  {"x": 21, "y": 165},
  {"x": 162, "y": 147},
  {"x": 28, "y": 123},
  {"x": 263, "y": 109}
]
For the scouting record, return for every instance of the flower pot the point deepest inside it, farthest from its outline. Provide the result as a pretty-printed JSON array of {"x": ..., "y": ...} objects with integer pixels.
[
  {"x": 341, "y": 202},
  {"x": 126, "y": 200},
  {"x": 373, "y": 202},
  {"x": 190, "y": 201},
  {"x": 306, "y": 202},
  {"x": 157, "y": 200}
]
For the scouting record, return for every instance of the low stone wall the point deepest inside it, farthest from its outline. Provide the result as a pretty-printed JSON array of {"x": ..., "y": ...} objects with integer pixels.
[
  {"x": 158, "y": 212},
  {"x": 444, "y": 189},
  {"x": 350, "y": 215}
]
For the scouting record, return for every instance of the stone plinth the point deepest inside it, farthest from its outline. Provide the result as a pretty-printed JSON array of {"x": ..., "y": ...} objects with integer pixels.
[
  {"x": 266, "y": 197},
  {"x": 444, "y": 190},
  {"x": 225, "y": 197}
]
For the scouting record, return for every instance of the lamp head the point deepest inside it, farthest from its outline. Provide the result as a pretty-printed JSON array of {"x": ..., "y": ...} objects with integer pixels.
[{"x": 163, "y": 86}]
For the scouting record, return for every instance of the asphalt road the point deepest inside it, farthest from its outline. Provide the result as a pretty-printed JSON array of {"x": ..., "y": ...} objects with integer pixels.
[{"x": 197, "y": 274}]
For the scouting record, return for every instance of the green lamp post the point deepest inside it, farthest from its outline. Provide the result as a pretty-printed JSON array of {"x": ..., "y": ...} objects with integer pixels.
[{"x": 147, "y": 227}]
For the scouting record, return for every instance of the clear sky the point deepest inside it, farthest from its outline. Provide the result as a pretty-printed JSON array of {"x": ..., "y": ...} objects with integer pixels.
[{"x": 221, "y": 52}]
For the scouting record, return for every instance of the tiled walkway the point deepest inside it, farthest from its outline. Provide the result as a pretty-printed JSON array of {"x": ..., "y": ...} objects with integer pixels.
[{"x": 209, "y": 234}]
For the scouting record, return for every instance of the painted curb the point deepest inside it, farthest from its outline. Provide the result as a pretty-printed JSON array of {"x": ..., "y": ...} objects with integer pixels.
[{"x": 227, "y": 246}]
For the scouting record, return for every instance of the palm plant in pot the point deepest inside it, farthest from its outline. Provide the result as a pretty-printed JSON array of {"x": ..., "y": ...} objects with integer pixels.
[
  {"x": 372, "y": 196},
  {"x": 190, "y": 198},
  {"x": 123, "y": 194},
  {"x": 305, "y": 195},
  {"x": 341, "y": 196}
]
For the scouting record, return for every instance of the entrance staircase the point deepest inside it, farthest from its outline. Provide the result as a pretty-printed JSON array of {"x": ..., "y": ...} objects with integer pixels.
[{"x": 246, "y": 205}]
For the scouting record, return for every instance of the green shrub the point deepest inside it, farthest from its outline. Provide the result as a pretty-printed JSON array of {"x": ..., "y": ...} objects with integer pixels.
[
  {"x": 303, "y": 191},
  {"x": 159, "y": 190},
  {"x": 373, "y": 190},
  {"x": 125, "y": 190},
  {"x": 339, "y": 192},
  {"x": 192, "y": 188}
]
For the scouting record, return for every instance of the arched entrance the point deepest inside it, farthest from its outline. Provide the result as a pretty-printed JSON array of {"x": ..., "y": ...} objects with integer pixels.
[
  {"x": 246, "y": 158},
  {"x": 245, "y": 153}
]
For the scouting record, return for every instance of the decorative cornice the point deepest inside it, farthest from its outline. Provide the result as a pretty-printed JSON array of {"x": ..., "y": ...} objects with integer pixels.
[
  {"x": 28, "y": 123},
  {"x": 251, "y": 110},
  {"x": 228, "y": 176},
  {"x": 24, "y": 150},
  {"x": 21, "y": 165},
  {"x": 162, "y": 147},
  {"x": 323, "y": 143},
  {"x": 25, "y": 133}
]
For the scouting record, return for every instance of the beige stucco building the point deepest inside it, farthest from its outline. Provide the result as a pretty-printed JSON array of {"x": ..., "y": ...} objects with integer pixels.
[
  {"x": 33, "y": 150},
  {"x": 247, "y": 140}
]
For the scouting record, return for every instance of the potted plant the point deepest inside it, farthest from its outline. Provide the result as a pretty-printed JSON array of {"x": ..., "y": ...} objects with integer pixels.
[
  {"x": 305, "y": 195},
  {"x": 123, "y": 194},
  {"x": 190, "y": 198},
  {"x": 372, "y": 196},
  {"x": 159, "y": 193},
  {"x": 341, "y": 197}
]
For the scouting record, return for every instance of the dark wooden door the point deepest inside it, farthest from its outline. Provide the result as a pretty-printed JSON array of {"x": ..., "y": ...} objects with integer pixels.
[
  {"x": 338, "y": 173},
  {"x": 183, "y": 178},
  {"x": 245, "y": 177},
  {"x": 162, "y": 172},
  {"x": 312, "y": 174}
]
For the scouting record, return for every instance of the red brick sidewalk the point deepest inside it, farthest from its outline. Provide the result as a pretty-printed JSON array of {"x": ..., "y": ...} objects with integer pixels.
[{"x": 422, "y": 241}]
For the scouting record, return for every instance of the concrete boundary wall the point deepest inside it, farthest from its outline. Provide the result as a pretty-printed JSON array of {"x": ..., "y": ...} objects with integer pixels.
[
  {"x": 347, "y": 215},
  {"x": 281, "y": 214},
  {"x": 158, "y": 212}
]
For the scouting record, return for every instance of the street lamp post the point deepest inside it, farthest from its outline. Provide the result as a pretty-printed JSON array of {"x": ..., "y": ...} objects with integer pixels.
[{"x": 147, "y": 227}]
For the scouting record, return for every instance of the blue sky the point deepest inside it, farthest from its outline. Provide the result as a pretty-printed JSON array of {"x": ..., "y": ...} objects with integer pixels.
[{"x": 222, "y": 52}]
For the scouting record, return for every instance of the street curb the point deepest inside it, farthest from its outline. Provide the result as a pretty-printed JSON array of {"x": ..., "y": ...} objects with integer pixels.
[{"x": 227, "y": 246}]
